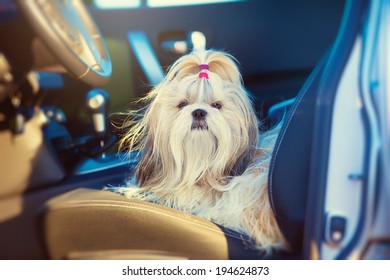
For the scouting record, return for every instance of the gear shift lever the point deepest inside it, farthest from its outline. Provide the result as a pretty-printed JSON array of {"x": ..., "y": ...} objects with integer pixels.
[
  {"x": 93, "y": 148},
  {"x": 97, "y": 101}
]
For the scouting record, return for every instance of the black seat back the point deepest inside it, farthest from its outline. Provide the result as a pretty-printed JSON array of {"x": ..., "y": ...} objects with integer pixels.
[
  {"x": 299, "y": 166},
  {"x": 289, "y": 170}
]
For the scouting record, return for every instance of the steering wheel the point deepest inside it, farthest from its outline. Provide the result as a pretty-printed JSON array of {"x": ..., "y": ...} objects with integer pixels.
[{"x": 68, "y": 30}]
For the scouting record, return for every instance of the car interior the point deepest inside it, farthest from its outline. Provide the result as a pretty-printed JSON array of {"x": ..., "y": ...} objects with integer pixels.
[{"x": 70, "y": 70}]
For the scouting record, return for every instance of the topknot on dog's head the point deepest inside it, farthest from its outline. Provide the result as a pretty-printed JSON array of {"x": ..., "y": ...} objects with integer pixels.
[{"x": 218, "y": 62}]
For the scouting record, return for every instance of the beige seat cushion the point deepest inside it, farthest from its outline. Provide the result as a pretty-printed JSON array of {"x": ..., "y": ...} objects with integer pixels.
[{"x": 95, "y": 224}]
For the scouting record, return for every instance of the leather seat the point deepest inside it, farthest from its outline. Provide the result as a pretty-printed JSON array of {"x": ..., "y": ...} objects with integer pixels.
[{"x": 88, "y": 223}]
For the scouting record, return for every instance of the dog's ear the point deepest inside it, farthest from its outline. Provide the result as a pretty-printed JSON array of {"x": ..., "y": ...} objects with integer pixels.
[
  {"x": 247, "y": 157},
  {"x": 240, "y": 165},
  {"x": 149, "y": 166}
]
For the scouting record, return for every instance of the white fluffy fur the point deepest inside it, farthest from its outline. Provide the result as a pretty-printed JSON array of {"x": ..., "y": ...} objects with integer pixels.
[{"x": 219, "y": 173}]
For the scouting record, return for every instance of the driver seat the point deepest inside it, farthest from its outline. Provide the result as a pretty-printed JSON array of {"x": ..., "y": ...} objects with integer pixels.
[{"x": 93, "y": 224}]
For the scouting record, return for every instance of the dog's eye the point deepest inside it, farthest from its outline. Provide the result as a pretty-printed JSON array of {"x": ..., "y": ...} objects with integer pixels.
[
  {"x": 182, "y": 104},
  {"x": 216, "y": 105}
]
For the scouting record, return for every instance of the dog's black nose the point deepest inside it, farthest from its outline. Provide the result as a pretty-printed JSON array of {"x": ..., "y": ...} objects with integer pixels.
[{"x": 199, "y": 114}]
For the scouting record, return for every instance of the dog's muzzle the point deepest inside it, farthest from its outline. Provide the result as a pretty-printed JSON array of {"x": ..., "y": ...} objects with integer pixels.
[{"x": 199, "y": 119}]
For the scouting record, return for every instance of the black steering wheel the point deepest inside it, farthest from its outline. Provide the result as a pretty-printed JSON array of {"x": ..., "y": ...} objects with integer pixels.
[{"x": 68, "y": 30}]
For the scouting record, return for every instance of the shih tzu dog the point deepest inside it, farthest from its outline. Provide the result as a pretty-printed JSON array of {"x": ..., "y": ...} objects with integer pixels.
[{"x": 201, "y": 148}]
